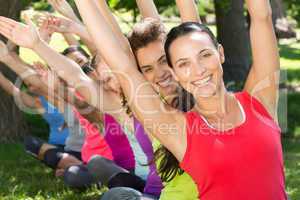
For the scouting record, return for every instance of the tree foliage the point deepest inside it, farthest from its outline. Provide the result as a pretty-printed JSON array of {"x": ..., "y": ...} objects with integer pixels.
[
  {"x": 293, "y": 9},
  {"x": 131, "y": 4},
  {"x": 36, "y": 4}
]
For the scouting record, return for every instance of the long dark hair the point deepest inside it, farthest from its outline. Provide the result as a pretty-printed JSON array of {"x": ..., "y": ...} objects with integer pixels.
[
  {"x": 184, "y": 29},
  {"x": 168, "y": 165}
]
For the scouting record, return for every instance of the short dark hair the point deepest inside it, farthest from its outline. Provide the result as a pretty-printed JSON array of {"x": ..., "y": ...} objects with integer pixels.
[
  {"x": 75, "y": 48},
  {"x": 86, "y": 68},
  {"x": 145, "y": 32}
]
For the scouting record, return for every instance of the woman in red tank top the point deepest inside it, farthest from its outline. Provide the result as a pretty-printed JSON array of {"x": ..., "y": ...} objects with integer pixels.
[
  {"x": 230, "y": 143},
  {"x": 233, "y": 145}
]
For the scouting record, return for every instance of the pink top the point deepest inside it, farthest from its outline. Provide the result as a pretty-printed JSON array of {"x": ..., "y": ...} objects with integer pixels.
[
  {"x": 245, "y": 162},
  {"x": 94, "y": 143}
]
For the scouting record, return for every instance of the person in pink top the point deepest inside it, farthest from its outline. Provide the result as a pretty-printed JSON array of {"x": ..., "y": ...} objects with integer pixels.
[{"x": 94, "y": 143}]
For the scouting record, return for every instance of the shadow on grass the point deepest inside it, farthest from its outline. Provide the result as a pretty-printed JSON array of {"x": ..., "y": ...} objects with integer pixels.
[
  {"x": 37, "y": 126},
  {"x": 23, "y": 177}
]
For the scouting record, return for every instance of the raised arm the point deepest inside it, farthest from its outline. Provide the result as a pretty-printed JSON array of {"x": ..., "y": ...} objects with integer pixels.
[
  {"x": 143, "y": 100},
  {"x": 14, "y": 62},
  {"x": 27, "y": 36},
  {"x": 70, "y": 39},
  {"x": 262, "y": 80},
  {"x": 26, "y": 99},
  {"x": 111, "y": 20},
  {"x": 64, "y": 8},
  {"x": 66, "y": 94},
  {"x": 68, "y": 27},
  {"x": 147, "y": 9},
  {"x": 187, "y": 8},
  {"x": 188, "y": 11}
]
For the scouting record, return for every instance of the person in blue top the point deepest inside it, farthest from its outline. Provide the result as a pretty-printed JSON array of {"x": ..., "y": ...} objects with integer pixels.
[{"x": 58, "y": 131}]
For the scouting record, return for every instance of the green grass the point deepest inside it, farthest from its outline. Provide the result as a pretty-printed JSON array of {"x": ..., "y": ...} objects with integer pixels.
[
  {"x": 290, "y": 55},
  {"x": 293, "y": 118},
  {"x": 290, "y": 61},
  {"x": 291, "y": 150},
  {"x": 24, "y": 178}
]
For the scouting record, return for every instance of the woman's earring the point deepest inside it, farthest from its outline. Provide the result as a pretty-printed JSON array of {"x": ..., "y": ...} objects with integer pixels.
[{"x": 162, "y": 98}]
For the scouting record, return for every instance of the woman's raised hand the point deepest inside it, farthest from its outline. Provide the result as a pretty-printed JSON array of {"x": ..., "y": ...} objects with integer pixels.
[
  {"x": 45, "y": 30},
  {"x": 61, "y": 25},
  {"x": 25, "y": 35},
  {"x": 64, "y": 8}
]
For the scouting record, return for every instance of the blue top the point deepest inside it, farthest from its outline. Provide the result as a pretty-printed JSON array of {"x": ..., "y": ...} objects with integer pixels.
[{"x": 55, "y": 120}]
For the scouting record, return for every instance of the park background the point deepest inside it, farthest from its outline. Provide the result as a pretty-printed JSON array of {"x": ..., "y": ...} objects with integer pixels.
[{"x": 22, "y": 177}]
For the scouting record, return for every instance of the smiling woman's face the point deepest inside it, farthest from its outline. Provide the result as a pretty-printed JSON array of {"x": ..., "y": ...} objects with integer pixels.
[
  {"x": 153, "y": 64},
  {"x": 197, "y": 64}
]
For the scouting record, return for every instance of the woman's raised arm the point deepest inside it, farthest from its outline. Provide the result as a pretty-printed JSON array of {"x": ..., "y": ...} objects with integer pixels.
[
  {"x": 23, "y": 70},
  {"x": 166, "y": 126},
  {"x": 147, "y": 9},
  {"x": 26, "y": 99},
  {"x": 65, "y": 9},
  {"x": 28, "y": 37},
  {"x": 111, "y": 20},
  {"x": 188, "y": 11},
  {"x": 263, "y": 78}
]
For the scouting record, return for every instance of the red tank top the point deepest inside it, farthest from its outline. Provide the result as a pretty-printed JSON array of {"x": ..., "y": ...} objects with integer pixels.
[{"x": 242, "y": 163}]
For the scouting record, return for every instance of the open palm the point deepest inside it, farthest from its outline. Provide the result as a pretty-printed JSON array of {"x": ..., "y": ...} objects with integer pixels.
[
  {"x": 21, "y": 34},
  {"x": 64, "y": 8},
  {"x": 59, "y": 24}
]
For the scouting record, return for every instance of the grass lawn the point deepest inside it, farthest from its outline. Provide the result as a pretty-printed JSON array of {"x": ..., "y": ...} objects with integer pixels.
[
  {"x": 24, "y": 178},
  {"x": 291, "y": 150}
]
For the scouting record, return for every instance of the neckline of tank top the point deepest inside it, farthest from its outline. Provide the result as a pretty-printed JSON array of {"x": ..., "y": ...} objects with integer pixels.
[{"x": 242, "y": 111}]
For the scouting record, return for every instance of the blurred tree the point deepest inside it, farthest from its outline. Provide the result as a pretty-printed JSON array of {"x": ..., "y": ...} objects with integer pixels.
[
  {"x": 36, "y": 4},
  {"x": 293, "y": 9},
  {"x": 12, "y": 121},
  {"x": 233, "y": 34},
  {"x": 282, "y": 26},
  {"x": 205, "y": 7},
  {"x": 130, "y": 5}
]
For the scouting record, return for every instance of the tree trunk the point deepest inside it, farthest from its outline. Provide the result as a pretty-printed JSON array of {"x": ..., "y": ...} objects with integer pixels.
[
  {"x": 233, "y": 34},
  {"x": 283, "y": 28},
  {"x": 12, "y": 122}
]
